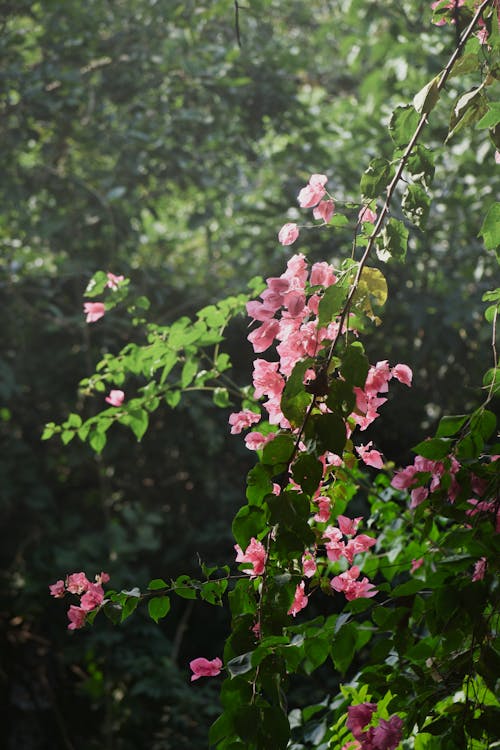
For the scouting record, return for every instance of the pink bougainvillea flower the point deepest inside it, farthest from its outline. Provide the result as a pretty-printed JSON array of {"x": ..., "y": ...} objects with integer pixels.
[
  {"x": 387, "y": 735},
  {"x": 94, "y": 311},
  {"x": 308, "y": 564},
  {"x": 348, "y": 526},
  {"x": 288, "y": 233},
  {"x": 102, "y": 578},
  {"x": 300, "y": 600},
  {"x": 358, "y": 717},
  {"x": 322, "y": 274},
  {"x": 77, "y": 583},
  {"x": 366, "y": 214},
  {"x": 114, "y": 281},
  {"x": 357, "y": 545},
  {"x": 115, "y": 398},
  {"x": 254, "y": 554},
  {"x": 323, "y": 514},
  {"x": 92, "y": 598},
  {"x": 313, "y": 192},
  {"x": 416, "y": 564},
  {"x": 370, "y": 457},
  {"x": 324, "y": 210},
  {"x": 76, "y": 616},
  {"x": 497, "y": 157},
  {"x": 402, "y": 373},
  {"x": 202, "y": 667},
  {"x": 255, "y": 441},
  {"x": 479, "y": 569},
  {"x": 263, "y": 336},
  {"x": 242, "y": 419},
  {"x": 57, "y": 589},
  {"x": 351, "y": 588}
]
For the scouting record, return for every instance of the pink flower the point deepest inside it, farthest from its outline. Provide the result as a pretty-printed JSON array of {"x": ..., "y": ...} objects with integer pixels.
[
  {"x": 366, "y": 214},
  {"x": 323, "y": 515},
  {"x": 322, "y": 274},
  {"x": 93, "y": 597},
  {"x": 241, "y": 420},
  {"x": 288, "y": 233},
  {"x": 479, "y": 569},
  {"x": 115, "y": 398},
  {"x": 308, "y": 565},
  {"x": 102, "y": 578},
  {"x": 418, "y": 495},
  {"x": 360, "y": 543},
  {"x": 324, "y": 210},
  {"x": 358, "y": 717},
  {"x": 402, "y": 373},
  {"x": 254, "y": 554},
  {"x": 254, "y": 441},
  {"x": 310, "y": 195},
  {"x": 77, "y": 583},
  {"x": 76, "y": 617},
  {"x": 57, "y": 589},
  {"x": 94, "y": 311},
  {"x": 300, "y": 600},
  {"x": 113, "y": 281},
  {"x": 263, "y": 336},
  {"x": 387, "y": 735},
  {"x": 205, "y": 668},
  {"x": 416, "y": 564},
  {"x": 497, "y": 157},
  {"x": 370, "y": 457},
  {"x": 348, "y": 526},
  {"x": 353, "y": 589}
]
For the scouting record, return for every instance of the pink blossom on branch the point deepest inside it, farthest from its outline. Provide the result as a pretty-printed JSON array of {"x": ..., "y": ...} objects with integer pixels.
[
  {"x": 202, "y": 667},
  {"x": 114, "y": 281},
  {"x": 115, "y": 398},
  {"x": 313, "y": 192},
  {"x": 300, "y": 600},
  {"x": 350, "y": 587},
  {"x": 359, "y": 716},
  {"x": 94, "y": 311},
  {"x": 77, "y": 583},
  {"x": 366, "y": 214},
  {"x": 255, "y": 554},
  {"x": 324, "y": 210},
  {"x": 57, "y": 589},
  {"x": 76, "y": 616},
  {"x": 242, "y": 419},
  {"x": 370, "y": 457},
  {"x": 288, "y": 233}
]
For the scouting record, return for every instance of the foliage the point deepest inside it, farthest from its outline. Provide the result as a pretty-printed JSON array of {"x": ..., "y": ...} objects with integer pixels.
[
  {"x": 425, "y": 652},
  {"x": 110, "y": 162}
]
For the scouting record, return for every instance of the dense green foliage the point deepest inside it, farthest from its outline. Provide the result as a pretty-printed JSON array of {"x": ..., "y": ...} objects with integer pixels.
[{"x": 142, "y": 140}]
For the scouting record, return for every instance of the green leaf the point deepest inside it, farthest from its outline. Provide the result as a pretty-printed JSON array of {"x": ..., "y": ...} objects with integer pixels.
[
  {"x": 341, "y": 397},
  {"x": 137, "y": 420},
  {"x": 172, "y": 398},
  {"x": 97, "y": 441},
  {"x": 355, "y": 365},
  {"x": 403, "y": 124},
  {"x": 295, "y": 400},
  {"x": 490, "y": 230},
  {"x": 415, "y": 205},
  {"x": 307, "y": 471},
  {"x": 372, "y": 288},
  {"x": 221, "y": 397},
  {"x": 183, "y": 587},
  {"x": 259, "y": 484},
  {"x": 158, "y": 607},
  {"x": 249, "y": 522},
  {"x": 332, "y": 302},
  {"x": 468, "y": 109},
  {"x": 420, "y": 165},
  {"x": 376, "y": 178},
  {"x": 129, "y": 606},
  {"x": 427, "y": 97},
  {"x": 279, "y": 450},
  {"x": 189, "y": 370},
  {"x": 393, "y": 241},
  {"x": 492, "y": 116},
  {"x": 330, "y": 432},
  {"x": 449, "y": 426},
  {"x": 343, "y": 647},
  {"x": 434, "y": 448},
  {"x": 157, "y": 583}
]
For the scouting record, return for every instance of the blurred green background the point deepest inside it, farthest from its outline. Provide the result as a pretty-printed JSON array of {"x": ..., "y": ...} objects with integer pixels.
[{"x": 138, "y": 137}]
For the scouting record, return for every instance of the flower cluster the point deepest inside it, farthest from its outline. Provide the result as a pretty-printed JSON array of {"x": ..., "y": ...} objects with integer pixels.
[
  {"x": 94, "y": 311},
  {"x": 254, "y": 554},
  {"x": 92, "y": 595},
  {"x": 385, "y": 736}
]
